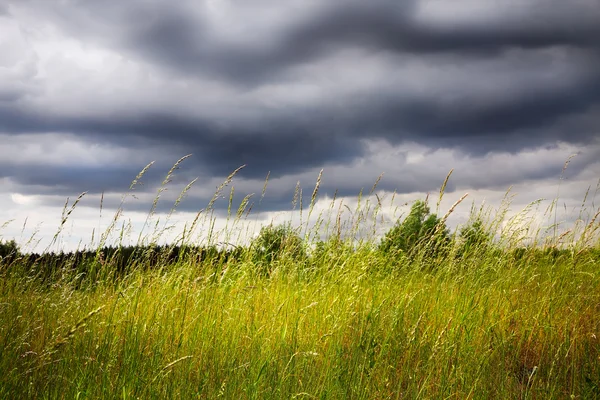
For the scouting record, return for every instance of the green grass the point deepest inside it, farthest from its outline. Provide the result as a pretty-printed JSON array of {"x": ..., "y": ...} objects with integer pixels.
[
  {"x": 355, "y": 331},
  {"x": 350, "y": 323}
]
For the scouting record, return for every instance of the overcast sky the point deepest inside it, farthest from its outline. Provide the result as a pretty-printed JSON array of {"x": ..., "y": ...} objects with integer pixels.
[{"x": 92, "y": 91}]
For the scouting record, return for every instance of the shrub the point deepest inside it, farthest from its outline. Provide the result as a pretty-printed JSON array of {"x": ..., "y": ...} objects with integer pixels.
[
  {"x": 419, "y": 230},
  {"x": 475, "y": 237},
  {"x": 274, "y": 243},
  {"x": 8, "y": 251}
]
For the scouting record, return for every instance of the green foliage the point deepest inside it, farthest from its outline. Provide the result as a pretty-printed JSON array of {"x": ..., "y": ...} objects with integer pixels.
[
  {"x": 9, "y": 250},
  {"x": 331, "y": 251},
  {"x": 197, "y": 322},
  {"x": 475, "y": 237},
  {"x": 419, "y": 230},
  {"x": 275, "y": 243},
  {"x": 487, "y": 332}
]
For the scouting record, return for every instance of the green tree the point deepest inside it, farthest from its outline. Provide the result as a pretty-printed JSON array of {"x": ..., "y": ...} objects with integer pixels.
[
  {"x": 475, "y": 236},
  {"x": 274, "y": 243},
  {"x": 418, "y": 229},
  {"x": 8, "y": 250}
]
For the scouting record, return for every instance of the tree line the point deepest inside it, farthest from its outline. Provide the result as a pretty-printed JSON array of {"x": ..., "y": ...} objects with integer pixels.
[{"x": 420, "y": 234}]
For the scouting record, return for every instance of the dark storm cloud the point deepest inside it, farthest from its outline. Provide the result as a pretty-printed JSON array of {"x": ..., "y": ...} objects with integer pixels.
[
  {"x": 294, "y": 143},
  {"x": 485, "y": 125},
  {"x": 73, "y": 179},
  {"x": 287, "y": 145},
  {"x": 189, "y": 42},
  {"x": 541, "y": 59}
]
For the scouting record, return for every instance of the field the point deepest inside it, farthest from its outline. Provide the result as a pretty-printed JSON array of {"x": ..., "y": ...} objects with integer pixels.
[{"x": 340, "y": 318}]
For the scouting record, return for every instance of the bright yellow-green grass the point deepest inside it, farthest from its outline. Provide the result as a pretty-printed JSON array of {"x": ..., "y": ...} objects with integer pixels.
[
  {"x": 355, "y": 331},
  {"x": 353, "y": 323}
]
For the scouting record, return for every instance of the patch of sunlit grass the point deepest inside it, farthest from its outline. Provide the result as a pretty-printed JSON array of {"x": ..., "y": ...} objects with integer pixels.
[{"x": 340, "y": 319}]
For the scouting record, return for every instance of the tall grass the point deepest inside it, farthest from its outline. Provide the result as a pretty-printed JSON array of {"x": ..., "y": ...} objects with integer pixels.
[{"x": 516, "y": 318}]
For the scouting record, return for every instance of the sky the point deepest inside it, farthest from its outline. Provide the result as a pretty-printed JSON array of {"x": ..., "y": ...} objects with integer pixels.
[{"x": 91, "y": 92}]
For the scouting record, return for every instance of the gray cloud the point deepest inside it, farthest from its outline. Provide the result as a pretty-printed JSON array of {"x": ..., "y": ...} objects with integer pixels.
[
  {"x": 266, "y": 37},
  {"x": 292, "y": 87}
]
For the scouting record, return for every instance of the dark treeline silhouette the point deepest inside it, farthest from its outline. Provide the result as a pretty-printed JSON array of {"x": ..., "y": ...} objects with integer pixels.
[
  {"x": 119, "y": 261},
  {"x": 8, "y": 251},
  {"x": 264, "y": 251}
]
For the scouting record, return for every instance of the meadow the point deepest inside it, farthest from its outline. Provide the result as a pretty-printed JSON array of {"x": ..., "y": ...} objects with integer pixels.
[{"x": 489, "y": 311}]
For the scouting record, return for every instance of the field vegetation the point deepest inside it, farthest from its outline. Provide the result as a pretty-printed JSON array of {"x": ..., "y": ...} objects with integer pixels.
[{"x": 494, "y": 309}]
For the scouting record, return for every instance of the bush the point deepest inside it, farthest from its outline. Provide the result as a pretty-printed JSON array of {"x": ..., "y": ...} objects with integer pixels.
[
  {"x": 273, "y": 244},
  {"x": 8, "y": 251},
  {"x": 475, "y": 237},
  {"x": 419, "y": 230}
]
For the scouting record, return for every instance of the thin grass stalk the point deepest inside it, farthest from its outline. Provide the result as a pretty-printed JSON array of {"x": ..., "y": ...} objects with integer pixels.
[{"x": 442, "y": 190}]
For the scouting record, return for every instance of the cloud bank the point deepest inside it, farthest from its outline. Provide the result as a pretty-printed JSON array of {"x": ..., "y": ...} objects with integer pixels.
[{"x": 90, "y": 92}]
